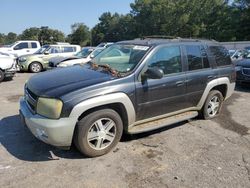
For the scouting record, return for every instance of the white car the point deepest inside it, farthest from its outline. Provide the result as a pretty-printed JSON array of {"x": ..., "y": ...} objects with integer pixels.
[
  {"x": 81, "y": 60},
  {"x": 8, "y": 66},
  {"x": 21, "y": 48}
]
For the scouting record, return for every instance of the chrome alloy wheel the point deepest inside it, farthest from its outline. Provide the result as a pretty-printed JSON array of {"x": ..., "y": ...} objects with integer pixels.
[
  {"x": 213, "y": 106},
  {"x": 101, "y": 134},
  {"x": 35, "y": 67}
]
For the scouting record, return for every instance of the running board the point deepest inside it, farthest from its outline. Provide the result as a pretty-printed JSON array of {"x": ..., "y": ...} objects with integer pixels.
[{"x": 159, "y": 123}]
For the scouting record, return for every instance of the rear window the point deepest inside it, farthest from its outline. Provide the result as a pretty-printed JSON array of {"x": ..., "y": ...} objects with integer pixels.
[
  {"x": 221, "y": 55},
  {"x": 33, "y": 45}
]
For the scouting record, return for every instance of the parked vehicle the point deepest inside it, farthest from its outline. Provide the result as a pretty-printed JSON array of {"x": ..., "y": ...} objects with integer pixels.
[
  {"x": 81, "y": 60},
  {"x": 21, "y": 48},
  {"x": 243, "y": 70},
  {"x": 8, "y": 66},
  {"x": 39, "y": 60},
  {"x": 154, "y": 83},
  {"x": 84, "y": 53}
]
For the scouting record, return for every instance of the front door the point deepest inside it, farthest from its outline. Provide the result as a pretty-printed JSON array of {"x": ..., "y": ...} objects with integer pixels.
[{"x": 161, "y": 96}]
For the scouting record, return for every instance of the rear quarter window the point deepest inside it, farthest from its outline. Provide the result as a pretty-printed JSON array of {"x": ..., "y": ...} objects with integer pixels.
[{"x": 221, "y": 55}]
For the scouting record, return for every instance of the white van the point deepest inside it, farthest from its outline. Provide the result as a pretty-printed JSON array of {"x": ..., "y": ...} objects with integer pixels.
[{"x": 21, "y": 48}]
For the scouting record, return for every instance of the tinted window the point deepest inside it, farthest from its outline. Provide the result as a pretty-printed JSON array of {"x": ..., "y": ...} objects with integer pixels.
[
  {"x": 21, "y": 45},
  {"x": 221, "y": 55},
  {"x": 68, "y": 49},
  {"x": 168, "y": 59},
  {"x": 194, "y": 57},
  {"x": 54, "y": 50},
  {"x": 33, "y": 45}
]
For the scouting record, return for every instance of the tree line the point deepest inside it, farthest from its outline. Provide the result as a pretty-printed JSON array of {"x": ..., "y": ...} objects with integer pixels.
[{"x": 222, "y": 20}]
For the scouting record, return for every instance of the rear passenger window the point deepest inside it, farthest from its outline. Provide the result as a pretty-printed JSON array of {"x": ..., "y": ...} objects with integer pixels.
[
  {"x": 194, "y": 57},
  {"x": 68, "y": 49},
  {"x": 221, "y": 55},
  {"x": 33, "y": 45},
  {"x": 168, "y": 59},
  {"x": 197, "y": 57}
]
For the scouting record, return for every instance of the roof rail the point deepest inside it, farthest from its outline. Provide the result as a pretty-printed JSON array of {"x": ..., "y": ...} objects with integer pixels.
[{"x": 159, "y": 37}]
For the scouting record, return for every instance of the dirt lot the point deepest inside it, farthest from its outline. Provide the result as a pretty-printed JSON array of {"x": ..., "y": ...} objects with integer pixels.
[{"x": 198, "y": 153}]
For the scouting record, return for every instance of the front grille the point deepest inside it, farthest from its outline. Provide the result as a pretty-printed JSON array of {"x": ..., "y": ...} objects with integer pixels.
[
  {"x": 31, "y": 99},
  {"x": 246, "y": 71}
]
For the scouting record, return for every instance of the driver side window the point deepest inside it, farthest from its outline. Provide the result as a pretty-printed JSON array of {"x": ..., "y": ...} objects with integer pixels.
[{"x": 168, "y": 59}]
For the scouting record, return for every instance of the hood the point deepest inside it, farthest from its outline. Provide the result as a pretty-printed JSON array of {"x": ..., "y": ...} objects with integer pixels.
[
  {"x": 244, "y": 63},
  {"x": 58, "y": 82}
]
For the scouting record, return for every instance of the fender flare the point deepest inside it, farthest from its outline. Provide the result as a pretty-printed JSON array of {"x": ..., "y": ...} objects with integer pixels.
[
  {"x": 214, "y": 83},
  {"x": 88, "y": 104}
]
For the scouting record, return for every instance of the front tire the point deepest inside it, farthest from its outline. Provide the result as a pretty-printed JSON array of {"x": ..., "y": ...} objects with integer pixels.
[
  {"x": 35, "y": 67},
  {"x": 1, "y": 75},
  {"x": 98, "y": 132},
  {"x": 213, "y": 104}
]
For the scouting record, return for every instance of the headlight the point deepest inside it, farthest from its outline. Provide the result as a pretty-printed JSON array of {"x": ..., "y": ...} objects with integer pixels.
[
  {"x": 22, "y": 59},
  {"x": 62, "y": 65},
  {"x": 50, "y": 108}
]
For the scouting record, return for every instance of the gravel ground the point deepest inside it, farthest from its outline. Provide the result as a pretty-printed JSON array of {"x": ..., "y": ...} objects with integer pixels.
[{"x": 195, "y": 153}]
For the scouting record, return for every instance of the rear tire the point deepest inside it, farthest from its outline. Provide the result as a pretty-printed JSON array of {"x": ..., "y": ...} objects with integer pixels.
[
  {"x": 212, "y": 106},
  {"x": 98, "y": 132},
  {"x": 35, "y": 67},
  {"x": 1, "y": 75}
]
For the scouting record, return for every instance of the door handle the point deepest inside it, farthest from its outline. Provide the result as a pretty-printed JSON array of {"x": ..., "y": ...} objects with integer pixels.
[{"x": 179, "y": 83}]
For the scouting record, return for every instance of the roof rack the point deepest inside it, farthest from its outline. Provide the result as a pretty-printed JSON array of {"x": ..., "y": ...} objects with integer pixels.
[
  {"x": 159, "y": 37},
  {"x": 177, "y": 38}
]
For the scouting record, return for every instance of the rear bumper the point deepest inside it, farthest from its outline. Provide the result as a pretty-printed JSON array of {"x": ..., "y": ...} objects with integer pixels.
[{"x": 56, "y": 132}]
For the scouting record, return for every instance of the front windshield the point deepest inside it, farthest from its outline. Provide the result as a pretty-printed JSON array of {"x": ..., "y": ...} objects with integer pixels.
[
  {"x": 84, "y": 53},
  {"x": 121, "y": 57},
  {"x": 42, "y": 49}
]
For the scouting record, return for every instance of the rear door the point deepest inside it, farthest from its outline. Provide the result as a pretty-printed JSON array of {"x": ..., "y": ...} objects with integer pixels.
[
  {"x": 199, "y": 72},
  {"x": 161, "y": 96}
]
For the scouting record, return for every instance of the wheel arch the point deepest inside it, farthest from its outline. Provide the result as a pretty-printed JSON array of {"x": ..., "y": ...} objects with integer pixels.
[
  {"x": 221, "y": 84},
  {"x": 118, "y": 107},
  {"x": 119, "y": 102}
]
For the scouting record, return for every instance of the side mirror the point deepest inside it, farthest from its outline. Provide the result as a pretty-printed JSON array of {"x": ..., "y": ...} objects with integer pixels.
[
  {"x": 154, "y": 73},
  {"x": 92, "y": 56},
  {"x": 46, "y": 53}
]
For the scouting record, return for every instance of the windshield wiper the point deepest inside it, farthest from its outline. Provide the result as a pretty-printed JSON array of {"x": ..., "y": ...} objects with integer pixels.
[{"x": 106, "y": 68}]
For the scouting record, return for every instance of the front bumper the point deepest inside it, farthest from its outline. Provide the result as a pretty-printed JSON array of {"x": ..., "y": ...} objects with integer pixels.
[{"x": 56, "y": 132}]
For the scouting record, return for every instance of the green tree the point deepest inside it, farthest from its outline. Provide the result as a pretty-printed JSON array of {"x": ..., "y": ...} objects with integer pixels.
[
  {"x": 50, "y": 36},
  {"x": 30, "y": 34},
  {"x": 10, "y": 38},
  {"x": 80, "y": 34},
  {"x": 2, "y": 38},
  {"x": 113, "y": 28}
]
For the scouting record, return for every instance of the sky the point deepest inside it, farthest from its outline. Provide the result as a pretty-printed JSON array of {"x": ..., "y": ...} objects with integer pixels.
[{"x": 18, "y": 15}]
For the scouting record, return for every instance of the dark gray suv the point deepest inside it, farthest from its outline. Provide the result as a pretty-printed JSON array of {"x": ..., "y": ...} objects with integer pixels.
[{"x": 133, "y": 87}]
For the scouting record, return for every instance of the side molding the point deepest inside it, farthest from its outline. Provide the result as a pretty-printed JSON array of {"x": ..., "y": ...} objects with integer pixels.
[
  {"x": 214, "y": 83},
  {"x": 104, "y": 100}
]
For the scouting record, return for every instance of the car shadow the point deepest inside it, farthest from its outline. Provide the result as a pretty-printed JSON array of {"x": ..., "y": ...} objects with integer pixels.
[
  {"x": 243, "y": 87},
  {"x": 20, "y": 143}
]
